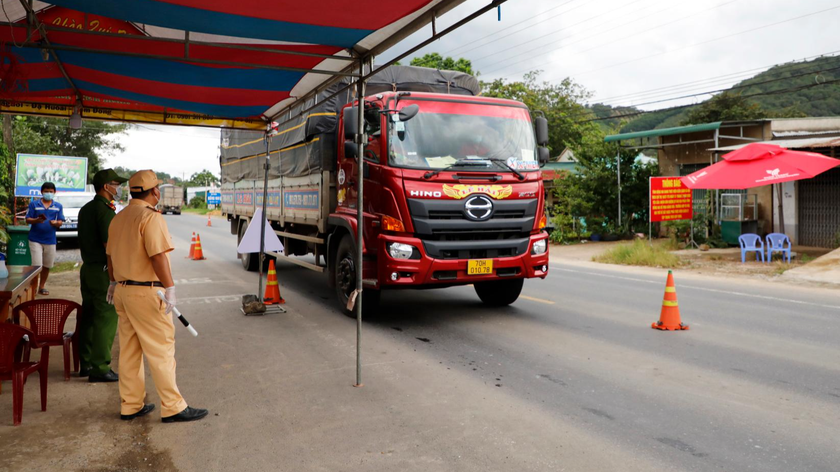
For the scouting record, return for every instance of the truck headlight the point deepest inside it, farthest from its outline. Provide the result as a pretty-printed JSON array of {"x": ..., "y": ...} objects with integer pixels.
[
  {"x": 402, "y": 251},
  {"x": 539, "y": 247}
]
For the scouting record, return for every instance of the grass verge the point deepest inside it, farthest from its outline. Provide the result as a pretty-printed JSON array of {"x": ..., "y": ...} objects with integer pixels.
[
  {"x": 65, "y": 267},
  {"x": 202, "y": 211},
  {"x": 639, "y": 253}
]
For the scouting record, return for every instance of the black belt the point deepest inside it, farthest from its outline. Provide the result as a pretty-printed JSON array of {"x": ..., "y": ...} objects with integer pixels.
[{"x": 142, "y": 284}]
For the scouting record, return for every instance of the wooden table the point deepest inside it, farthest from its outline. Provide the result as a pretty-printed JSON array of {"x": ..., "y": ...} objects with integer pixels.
[{"x": 21, "y": 286}]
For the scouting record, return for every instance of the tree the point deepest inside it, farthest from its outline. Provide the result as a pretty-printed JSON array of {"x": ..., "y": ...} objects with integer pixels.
[
  {"x": 436, "y": 61},
  {"x": 562, "y": 104},
  {"x": 205, "y": 178},
  {"x": 592, "y": 192}
]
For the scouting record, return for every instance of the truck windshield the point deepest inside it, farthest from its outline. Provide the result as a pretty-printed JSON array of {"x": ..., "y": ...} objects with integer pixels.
[{"x": 447, "y": 140}]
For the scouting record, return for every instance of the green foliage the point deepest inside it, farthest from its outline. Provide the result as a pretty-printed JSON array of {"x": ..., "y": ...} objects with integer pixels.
[
  {"x": 52, "y": 136},
  {"x": 202, "y": 179},
  {"x": 166, "y": 178},
  {"x": 197, "y": 202},
  {"x": 593, "y": 191},
  {"x": 639, "y": 253},
  {"x": 436, "y": 61},
  {"x": 726, "y": 106},
  {"x": 560, "y": 101}
]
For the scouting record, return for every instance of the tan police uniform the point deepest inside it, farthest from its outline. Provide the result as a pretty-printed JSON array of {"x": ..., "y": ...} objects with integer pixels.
[{"x": 136, "y": 234}]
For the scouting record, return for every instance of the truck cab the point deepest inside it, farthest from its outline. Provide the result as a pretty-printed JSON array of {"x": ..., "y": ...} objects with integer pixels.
[{"x": 453, "y": 195}]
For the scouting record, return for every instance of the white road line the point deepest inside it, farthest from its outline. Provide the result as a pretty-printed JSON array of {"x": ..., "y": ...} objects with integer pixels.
[{"x": 694, "y": 287}]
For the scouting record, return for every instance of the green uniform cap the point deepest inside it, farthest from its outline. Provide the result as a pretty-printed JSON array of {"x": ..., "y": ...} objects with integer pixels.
[{"x": 107, "y": 175}]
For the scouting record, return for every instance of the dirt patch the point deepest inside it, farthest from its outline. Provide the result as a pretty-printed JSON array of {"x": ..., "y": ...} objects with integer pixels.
[{"x": 81, "y": 430}]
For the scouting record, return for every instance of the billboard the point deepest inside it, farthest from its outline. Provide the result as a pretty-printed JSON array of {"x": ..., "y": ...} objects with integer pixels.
[
  {"x": 669, "y": 199},
  {"x": 69, "y": 174}
]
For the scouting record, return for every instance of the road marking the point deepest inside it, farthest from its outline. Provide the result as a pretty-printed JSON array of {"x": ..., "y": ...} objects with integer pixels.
[
  {"x": 540, "y": 300},
  {"x": 209, "y": 300},
  {"x": 713, "y": 290}
]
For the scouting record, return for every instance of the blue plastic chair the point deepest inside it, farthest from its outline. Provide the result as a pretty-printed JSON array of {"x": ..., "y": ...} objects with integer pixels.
[
  {"x": 776, "y": 243},
  {"x": 751, "y": 242}
]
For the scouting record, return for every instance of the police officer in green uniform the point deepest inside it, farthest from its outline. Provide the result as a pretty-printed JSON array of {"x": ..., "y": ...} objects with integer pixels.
[{"x": 99, "y": 318}]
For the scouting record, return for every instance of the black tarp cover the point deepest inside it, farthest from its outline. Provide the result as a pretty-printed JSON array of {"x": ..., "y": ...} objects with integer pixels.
[{"x": 305, "y": 143}]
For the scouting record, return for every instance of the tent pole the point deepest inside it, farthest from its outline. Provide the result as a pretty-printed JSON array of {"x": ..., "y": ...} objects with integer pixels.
[
  {"x": 266, "y": 166},
  {"x": 360, "y": 179}
]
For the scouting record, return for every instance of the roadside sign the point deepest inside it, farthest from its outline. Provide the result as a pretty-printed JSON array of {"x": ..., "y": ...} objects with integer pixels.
[
  {"x": 669, "y": 199},
  {"x": 69, "y": 174},
  {"x": 214, "y": 198}
]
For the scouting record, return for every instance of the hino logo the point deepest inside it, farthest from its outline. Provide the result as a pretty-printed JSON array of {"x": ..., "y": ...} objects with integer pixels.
[
  {"x": 478, "y": 208},
  {"x": 425, "y": 193}
]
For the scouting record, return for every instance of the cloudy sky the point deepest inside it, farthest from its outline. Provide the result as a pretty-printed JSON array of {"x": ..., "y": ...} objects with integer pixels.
[{"x": 625, "y": 52}]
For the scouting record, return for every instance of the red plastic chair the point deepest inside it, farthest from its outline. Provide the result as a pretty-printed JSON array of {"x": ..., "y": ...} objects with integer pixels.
[
  {"x": 47, "y": 318},
  {"x": 11, "y": 340}
]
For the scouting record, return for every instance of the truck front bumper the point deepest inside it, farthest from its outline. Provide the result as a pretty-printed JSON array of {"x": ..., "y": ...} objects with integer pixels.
[{"x": 395, "y": 273}]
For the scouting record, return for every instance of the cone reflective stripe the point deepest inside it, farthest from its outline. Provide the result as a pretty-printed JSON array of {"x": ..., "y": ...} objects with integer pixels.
[
  {"x": 272, "y": 288},
  {"x": 192, "y": 247},
  {"x": 198, "y": 254},
  {"x": 669, "y": 317}
]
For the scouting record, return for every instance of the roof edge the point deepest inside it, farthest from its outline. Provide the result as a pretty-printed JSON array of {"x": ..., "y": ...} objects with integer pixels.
[{"x": 663, "y": 132}]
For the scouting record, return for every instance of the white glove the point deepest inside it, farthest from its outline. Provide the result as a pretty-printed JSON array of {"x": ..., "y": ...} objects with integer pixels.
[
  {"x": 110, "y": 297},
  {"x": 170, "y": 299}
]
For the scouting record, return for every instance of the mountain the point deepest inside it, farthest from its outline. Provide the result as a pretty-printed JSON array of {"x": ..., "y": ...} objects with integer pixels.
[{"x": 802, "y": 86}]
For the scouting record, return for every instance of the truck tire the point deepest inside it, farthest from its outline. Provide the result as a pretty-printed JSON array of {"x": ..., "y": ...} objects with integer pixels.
[
  {"x": 345, "y": 280},
  {"x": 250, "y": 261},
  {"x": 499, "y": 292}
]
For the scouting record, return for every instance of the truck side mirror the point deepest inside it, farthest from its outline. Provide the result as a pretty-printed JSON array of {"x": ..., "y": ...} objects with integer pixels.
[
  {"x": 543, "y": 155},
  {"x": 351, "y": 150},
  {"x": 409, "y": 112},
  {"x": 542, "y": 130},
  {"x": 351, "y": 123}
]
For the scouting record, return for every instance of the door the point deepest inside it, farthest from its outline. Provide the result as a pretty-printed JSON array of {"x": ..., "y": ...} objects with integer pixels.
[{"x": 819, "y": 210}]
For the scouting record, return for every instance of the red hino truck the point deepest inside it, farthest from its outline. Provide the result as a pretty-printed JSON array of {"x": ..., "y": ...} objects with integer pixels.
[{"x": 453, "y": 192}]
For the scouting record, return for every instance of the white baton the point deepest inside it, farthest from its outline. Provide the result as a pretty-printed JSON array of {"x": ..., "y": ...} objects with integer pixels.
[{"x": 179, "y": 315}]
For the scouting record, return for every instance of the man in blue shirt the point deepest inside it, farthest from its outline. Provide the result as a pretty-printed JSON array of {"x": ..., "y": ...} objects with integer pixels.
[{"x": 45, "y": 215}]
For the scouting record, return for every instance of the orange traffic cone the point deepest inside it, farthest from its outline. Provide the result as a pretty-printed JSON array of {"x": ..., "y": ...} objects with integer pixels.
[
  {"x": 198, "y": 254},
  {"x": 192, "y": 247},
  {"x": 669, "y": 317},
  {"x": 208, "y": 221},
  {"x": 272, "y": 289}
]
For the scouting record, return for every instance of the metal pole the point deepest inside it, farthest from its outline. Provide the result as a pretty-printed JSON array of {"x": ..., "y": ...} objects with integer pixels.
[
  {"x": 618, "y": 172},
  {"x": 266, "y": 166},
  {"x": 360, "y": 164}
]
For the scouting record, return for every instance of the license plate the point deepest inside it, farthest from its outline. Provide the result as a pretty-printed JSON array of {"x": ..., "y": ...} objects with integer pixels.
[
  {"x": 480, "y": 267},
  {"x": 69, "y": 226}
]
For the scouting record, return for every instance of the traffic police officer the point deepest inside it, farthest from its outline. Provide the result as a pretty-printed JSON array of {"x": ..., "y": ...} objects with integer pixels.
[
  {"x": 98, "y": 323},
  {"x": 138, "y": 265}
]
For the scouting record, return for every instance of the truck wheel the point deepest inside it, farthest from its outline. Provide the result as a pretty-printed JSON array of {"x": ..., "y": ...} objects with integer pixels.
[
  {"x": 499, "y": 292},
  {"x": 250, "y": 261},
  {"x": 345, "y": 280}
]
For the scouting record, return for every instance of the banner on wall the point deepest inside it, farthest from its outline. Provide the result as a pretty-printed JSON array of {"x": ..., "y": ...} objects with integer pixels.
[
  {"x": 69, "y": 174},
  {"x": 670, "y": 200}
]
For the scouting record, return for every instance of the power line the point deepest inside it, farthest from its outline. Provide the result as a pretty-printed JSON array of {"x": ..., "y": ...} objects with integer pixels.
[
  {"x": 680, "y": 107},
  {"x": 511, "y": 26},
  {"x": 687, "y": 86},
  {"x": 551, "y": 34},
  {"x": 750, "y": 30},
  {"x": 638, "y": 33}
]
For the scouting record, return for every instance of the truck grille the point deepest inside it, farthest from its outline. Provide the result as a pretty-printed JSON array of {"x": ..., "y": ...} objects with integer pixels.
[{"x": 447, "y": 233}]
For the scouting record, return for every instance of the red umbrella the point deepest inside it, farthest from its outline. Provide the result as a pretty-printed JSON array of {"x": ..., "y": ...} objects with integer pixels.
[{"x": 760, "y": 164}]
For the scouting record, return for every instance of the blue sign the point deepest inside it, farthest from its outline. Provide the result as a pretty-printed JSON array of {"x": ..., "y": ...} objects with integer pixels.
[
  {"x": 214, "y": 198},
  {"x": 306, "y": 200}
]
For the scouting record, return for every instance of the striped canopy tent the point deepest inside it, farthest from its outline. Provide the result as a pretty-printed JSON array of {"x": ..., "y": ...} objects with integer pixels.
[{"x": 219, "y": 63}]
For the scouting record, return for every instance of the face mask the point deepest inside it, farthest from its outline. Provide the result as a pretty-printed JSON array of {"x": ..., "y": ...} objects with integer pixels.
[
  {"x": 157, "y": 197},
  {"x": 48, "y": 196},
  {"x": 112, "y": 194}
]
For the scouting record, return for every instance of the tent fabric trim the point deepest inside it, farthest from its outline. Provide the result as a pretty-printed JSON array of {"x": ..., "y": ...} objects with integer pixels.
[{"x": 654, "y": 133}]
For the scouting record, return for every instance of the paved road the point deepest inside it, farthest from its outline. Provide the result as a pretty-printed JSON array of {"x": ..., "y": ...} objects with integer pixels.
[{"x": 571, "y": 377}]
